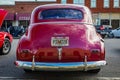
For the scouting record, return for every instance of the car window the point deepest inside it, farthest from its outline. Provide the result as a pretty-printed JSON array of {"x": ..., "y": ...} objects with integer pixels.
[{"x": 61, "y": 14}]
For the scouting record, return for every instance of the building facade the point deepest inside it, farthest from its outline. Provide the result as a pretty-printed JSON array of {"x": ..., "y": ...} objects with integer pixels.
[{"x": 104, "y": 12}]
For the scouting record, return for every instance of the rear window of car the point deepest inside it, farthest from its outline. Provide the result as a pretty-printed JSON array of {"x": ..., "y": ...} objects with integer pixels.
[{"x": 61, "y": 14}]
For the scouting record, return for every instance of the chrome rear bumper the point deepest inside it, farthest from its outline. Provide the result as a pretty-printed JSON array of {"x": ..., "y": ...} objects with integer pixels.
[{"x": 66, "y": 66}]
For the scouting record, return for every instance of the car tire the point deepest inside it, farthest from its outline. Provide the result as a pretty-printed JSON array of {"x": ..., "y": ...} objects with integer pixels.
[
  {"x": 103, "y": 36},
  {"x": 94, "y": 71},
  {"x": 27, "y": 70},
  {"x": 6, "y": 47},
  {"x": 111, "y": 36}
]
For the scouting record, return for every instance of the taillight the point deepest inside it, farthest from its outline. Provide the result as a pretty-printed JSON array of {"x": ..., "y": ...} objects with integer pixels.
[
  {"x": 95, "y": 51},
  {"x": 26, "y": 51},
  {"x": 25, "y": 54}
]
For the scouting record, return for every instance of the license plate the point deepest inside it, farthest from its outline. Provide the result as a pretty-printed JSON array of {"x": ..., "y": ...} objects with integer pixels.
[{"x": 60, "y": 41}]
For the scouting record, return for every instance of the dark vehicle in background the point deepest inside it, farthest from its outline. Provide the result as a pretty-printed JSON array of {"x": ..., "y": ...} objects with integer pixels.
[
  {"x": 103, "y": 30},
  {"x": 16, "y": 31}
]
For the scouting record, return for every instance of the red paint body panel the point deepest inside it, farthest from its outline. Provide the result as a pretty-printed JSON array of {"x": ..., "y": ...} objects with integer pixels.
[
  {"x": 83, "y": 39},
  {"x": 3, "y": 35},
  {"x": 2, "y": 15}
]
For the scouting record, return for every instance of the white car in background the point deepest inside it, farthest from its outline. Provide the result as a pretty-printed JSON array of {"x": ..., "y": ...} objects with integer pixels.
[{"x": 115, "y": 32}]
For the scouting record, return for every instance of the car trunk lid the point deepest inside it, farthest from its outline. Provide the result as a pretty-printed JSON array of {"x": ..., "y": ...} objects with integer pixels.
[
  {"x": 78, "y": 47},
  {"x": 72, "y": 49}
]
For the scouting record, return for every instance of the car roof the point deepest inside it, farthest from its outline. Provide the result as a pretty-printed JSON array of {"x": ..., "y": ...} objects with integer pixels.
[
  {"x": 84, "y": 9},
  {"x": 59, "y": 5}
]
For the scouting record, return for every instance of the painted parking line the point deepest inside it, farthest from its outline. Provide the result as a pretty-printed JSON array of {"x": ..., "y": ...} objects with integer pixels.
[
  {"x": 83, "y": 78},
  {"x": 100, "y": 78},
  {"x": 108, "y": 78},
  {"x": 15, "y": 78}
]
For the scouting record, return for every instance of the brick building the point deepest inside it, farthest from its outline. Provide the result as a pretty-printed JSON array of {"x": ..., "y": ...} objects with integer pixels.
[{"x": 105, "y": 12}]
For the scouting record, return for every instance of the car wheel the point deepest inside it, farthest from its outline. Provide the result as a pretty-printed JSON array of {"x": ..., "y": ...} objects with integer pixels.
[
  {"x": 103, "y": 36},
  {"x": 27, "y": 70},
  {"x": 111, "y": 35},
  {"x": 94, "y": 71},
  {"x": 6, "y": 47}
]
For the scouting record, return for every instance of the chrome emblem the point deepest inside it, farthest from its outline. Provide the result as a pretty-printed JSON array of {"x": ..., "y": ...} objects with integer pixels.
[{"x": 59, "y": 53}]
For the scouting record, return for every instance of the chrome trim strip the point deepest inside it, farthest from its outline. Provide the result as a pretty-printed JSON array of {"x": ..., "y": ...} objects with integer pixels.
[{"x": 69, "y": 66}]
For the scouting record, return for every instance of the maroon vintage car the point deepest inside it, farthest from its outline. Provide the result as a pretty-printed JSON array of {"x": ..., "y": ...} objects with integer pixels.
[
  {"x": 61, "y": 37},
  {"x": 5, "y": 38}
]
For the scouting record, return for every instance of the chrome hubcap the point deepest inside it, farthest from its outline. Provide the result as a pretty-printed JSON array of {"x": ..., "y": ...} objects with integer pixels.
[{"x": 6, "y": 46}]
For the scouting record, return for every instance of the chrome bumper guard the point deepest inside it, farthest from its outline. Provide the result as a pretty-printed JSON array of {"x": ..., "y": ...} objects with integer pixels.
[{"x": 67, "y": 66}]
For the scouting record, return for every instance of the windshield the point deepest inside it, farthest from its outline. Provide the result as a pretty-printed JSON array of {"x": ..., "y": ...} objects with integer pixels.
[{"x": 61, "y": 14}]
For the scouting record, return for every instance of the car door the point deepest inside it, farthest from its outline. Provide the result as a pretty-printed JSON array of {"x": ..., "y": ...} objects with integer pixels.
[{"x": 117, "y": 32}]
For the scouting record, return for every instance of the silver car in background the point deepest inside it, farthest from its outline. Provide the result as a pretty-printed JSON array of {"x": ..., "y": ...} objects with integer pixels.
[{"x": 115, "y": 33}]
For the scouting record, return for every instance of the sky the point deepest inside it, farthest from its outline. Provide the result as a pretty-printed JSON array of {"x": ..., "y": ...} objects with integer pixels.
[
  {"x": 6, "y": 2},
  {"x": 12, "y": 2},
  {"x": 34, "y": 0}
]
